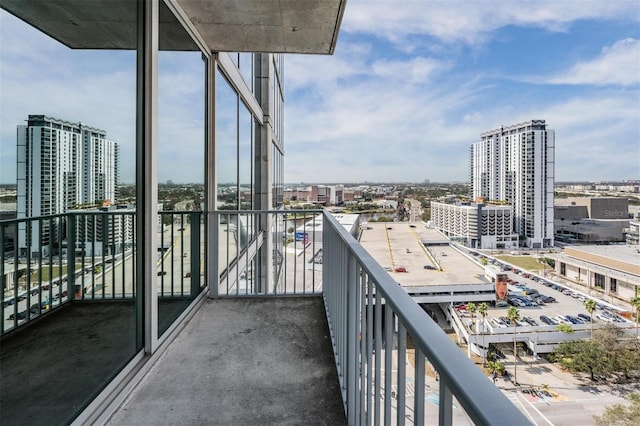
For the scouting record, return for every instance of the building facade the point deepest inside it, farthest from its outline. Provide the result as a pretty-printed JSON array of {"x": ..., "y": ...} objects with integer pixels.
[
  {"x": 609, "y": 270},
  {"x": 591, "y": 220},
  {"x": 515, "y": 165},
  {"x": 476, "y": 225},
  {"x": 61, "y": 165}
]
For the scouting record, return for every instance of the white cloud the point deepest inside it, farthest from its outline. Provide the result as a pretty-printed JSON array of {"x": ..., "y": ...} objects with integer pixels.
[
  {"x": 472, "y": 21},
  {"x": 618, "y": 64}
]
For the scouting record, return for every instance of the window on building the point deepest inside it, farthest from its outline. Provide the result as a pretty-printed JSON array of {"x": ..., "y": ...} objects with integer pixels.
[{"x": 599, "y": 281}]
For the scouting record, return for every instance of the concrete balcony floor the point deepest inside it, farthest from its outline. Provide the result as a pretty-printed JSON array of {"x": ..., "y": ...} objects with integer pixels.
[
  {"x": 238, "y": 361},
  {"x": 265, "y": 361}
]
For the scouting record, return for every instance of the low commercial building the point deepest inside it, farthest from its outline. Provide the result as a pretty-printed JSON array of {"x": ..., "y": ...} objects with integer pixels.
[
  {"x": 610, "y": 270},
  {"x": 476, "y": 225},
  {"x": 591, "y": 220}
]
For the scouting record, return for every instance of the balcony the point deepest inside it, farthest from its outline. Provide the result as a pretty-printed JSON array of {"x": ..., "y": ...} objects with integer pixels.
[{"x": 297, "y": 324}]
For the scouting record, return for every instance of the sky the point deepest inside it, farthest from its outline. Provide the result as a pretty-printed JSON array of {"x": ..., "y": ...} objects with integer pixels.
[{"x": 410, "y": 87}]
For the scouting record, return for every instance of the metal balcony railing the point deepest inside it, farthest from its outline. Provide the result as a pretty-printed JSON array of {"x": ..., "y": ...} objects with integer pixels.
[
  {"x": 388, "y": 351},
  {"x": 267, "y": 252},
  {"x": 386, "y": 346},
  {"x": 48, "y": 261}
]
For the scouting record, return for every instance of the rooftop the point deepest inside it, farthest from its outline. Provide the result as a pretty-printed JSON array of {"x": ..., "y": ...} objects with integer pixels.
[
  {"x": 400, "y": 244},
  {"x": 619, "y": 253}
]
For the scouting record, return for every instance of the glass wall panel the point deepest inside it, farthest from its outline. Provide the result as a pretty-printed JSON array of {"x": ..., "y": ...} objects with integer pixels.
[
  {"x": 181, "y": 169},
  {"x": 226, "y": 128},
  {"x": 245, "y": 61},
  {"x": 245, "y": 159},
  {"x": 68, "y": 135}
]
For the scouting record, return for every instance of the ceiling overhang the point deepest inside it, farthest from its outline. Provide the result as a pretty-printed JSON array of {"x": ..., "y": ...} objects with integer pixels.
[{"x": 275, "y": 26}]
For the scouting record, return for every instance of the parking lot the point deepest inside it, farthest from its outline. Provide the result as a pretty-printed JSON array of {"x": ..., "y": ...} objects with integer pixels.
[{"x": 541, "y": 301}]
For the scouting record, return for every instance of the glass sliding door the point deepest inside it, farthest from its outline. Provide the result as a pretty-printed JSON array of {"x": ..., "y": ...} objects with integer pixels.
[{"x": 182, "y": 71}]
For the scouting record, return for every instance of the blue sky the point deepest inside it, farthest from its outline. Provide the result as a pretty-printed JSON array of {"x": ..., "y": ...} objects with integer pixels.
[
  {"x": 410, "y": 87},
  {"x": 413, "y": 84}
]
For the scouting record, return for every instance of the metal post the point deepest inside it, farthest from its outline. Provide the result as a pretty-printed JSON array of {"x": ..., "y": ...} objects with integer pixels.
[
  {"x": 195, "y": 253},
  {"x": 147, "y": 175},
  {"x": 71, "y": 257},
  {"x": 212, "y": 254},
  {"x": 352, "y": 339},
  {"x": 445, "y": 404}
]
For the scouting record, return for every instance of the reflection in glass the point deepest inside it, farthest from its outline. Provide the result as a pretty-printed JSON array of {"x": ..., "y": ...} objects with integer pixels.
[
  {"x": 78, "y": 300},
  {"x": 181, "y": 169},
  {"x": 245, "y": 62},
  {"x": 226, "y": 143}
]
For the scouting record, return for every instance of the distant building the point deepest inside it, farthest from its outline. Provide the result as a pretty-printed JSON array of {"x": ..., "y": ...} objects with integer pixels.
[
  {"x": 515, "y": 165},
  {"x": 633, "y": 234},
  {"x": 476, "y": 225},
  {"x": 61, "y": 166},
  {"x": 591, "y": 220}
]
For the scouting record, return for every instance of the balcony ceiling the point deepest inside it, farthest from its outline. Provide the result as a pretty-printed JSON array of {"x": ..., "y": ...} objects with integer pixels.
[{"x": 278, "y": 26}]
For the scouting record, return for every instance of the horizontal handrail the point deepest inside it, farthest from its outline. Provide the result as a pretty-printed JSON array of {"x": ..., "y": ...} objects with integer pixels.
[{"x": 483, "y": 402}]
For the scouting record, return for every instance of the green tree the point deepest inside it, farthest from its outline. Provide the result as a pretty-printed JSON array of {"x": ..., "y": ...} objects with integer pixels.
[
  {"x": 514, "y": 316},
  {"x": 484, "y": 261},
  {"x": 482, "y": 310},
  {"x": 590, "y": 306},
  {"x": 565, "y": 328},
  {"x": 620, "y": 414},
  {"x": 608, "y": 353},
  {"x": 472, "y": 309},
  {"x": 496, "y": 367},
  {"x": 635, "y": 302}
]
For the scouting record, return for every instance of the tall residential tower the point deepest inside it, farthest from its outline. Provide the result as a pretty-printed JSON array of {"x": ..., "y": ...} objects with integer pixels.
[
  {"x": 515, "y": 165},
  {"x": 61, "y": 165}
]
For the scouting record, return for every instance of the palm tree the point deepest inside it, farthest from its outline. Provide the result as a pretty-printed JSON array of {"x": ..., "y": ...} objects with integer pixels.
[
  {"x": 635, "y": 302},
  {"x": 482, "y": 310},
  {"x": 514, "y": 316},
  {"x": 590, "y": 306},
  {"x": 472, "y": 309}
]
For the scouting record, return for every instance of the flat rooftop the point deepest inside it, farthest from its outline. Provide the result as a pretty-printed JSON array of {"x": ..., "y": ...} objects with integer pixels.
[
  {"x": 400, "y": 244},
  {"x": 626, "y": 257}
]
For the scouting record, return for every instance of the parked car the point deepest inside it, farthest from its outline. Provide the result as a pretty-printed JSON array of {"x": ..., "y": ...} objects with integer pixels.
[
  {"x": 20, "y": 316},
  {"x": 584, "y": 317},
  {"x": 507, "y": 321},
  {"x": 545, "y": 319},
  {"x": 496, "y": 322},
  {"x": 573, "y": 320},
  {"x": 560, "y": 319}
]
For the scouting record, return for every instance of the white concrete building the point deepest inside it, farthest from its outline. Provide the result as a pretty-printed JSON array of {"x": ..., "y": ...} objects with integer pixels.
[
  {"x": 609, "y": 270},
  {"x": 515, "y": 164},
  {"x": 61, "y": 165},
  {"x": 476, "y": 225}
]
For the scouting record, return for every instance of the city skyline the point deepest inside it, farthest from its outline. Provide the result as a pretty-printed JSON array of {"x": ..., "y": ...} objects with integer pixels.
[{"x": 409, "y": 88}]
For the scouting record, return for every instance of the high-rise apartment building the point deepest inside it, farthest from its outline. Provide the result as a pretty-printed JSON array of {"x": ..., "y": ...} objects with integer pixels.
[
  {"x": 61, "y": 165},
  {"x": 515, "y": 165}
]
